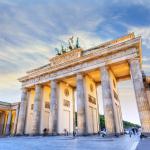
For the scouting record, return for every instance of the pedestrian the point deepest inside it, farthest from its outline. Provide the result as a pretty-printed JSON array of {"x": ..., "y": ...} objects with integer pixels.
[
  {"x": 130, "y": 133},
  {"x": 65, "y": 131},
  {"x": 133, "y": 131},
  {"x": 74, "y": 134}
]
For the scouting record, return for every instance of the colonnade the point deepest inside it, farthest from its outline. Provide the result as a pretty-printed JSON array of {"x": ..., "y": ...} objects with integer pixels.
[
  {"x": 61, "y": 101},
  {"x": 8, "y": 122}
]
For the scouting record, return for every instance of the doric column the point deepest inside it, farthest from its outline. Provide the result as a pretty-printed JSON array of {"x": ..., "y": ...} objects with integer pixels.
[
  {"x": 2, "y": 123},
  {"x": 54, "y": 107},
  {"x": 107, "y": 100},
  {"x": 37, "y": 109},
  {"x": 7, "y": 132},
  {"x": 16, "y": 119},
  {"x": 22, "y": 112},
  {"x": 74, "y": 114},
  {"x": 141, "y": 98},
  {"x": 97, "y": 101},
  {"x": 81, "y": 112}
]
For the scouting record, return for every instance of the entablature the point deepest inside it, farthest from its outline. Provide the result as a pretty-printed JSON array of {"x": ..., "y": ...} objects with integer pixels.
[
  {"x": 80, "y": 56},
  {"x": 82, "y": 67}
]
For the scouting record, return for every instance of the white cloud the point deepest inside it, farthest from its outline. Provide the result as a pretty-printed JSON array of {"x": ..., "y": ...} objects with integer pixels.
[
  {"x": 86, "y": 39},
  {"x": 146, "y": 67},
  {"x": 145, "y": 3},
  {"x": 146, "y": 59},
  {"x": 144, "y": 32},
  {"x": 30, "y": 31}
]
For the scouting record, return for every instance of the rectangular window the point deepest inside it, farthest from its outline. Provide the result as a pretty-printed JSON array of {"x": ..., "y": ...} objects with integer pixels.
[
  {"x": 47, "y": 105},
  {"x": 66, "y": 103},
  {"x": 115, "y": 95},
  {"x": 92, "y": 99},
  {"x": 32, "y": 105}
]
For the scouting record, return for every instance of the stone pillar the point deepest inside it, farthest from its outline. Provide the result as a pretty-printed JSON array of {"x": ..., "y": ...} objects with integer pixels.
[
  {"x": 107, "y": 101},
  {"x": 22, "y": 113},
  {"x": 81, "y": 112},
  {"x": 121, "y": 119},
  {"x": 116, "y": 104},
  {"x": 98, "y": 114},
  {"x": 37, "y": 110},
  {"x": 141, "y": 98},
  {"x": 148, "y": 94},
  {"x": 7, "y": 132},
  {"x": 16, "y": 119},
  {"x": 54, "y": 108},
  {"x": 74, "y": 114},
  {"x": 2, "y": 123}
]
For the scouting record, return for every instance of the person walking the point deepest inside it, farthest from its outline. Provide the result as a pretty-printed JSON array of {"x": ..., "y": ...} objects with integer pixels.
[{"x": 130, "y": 133}]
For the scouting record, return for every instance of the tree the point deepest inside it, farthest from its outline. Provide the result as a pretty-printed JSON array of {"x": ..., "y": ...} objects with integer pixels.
[{"x": 126, "y": 124}]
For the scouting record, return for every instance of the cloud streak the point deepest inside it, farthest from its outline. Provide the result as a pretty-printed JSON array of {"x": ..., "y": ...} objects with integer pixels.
[{"x": 30, "y": 30}]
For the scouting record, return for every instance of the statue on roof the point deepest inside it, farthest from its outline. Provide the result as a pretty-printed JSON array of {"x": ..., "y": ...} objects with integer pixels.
[
  {"x": 57, "y": 51},
  {"x": 77, "y": 43},
  {"x": 71, "y": 46},
  {"x": 63, "y": 50},
  {"x": 71, "y": 43}
]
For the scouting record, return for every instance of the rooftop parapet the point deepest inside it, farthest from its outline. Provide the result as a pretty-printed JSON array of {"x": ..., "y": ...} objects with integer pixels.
[{"x": 59, "y": 61}]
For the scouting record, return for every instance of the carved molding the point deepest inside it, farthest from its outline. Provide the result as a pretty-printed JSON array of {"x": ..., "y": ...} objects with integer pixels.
[
  {"x": 99, "y": 62},
  {"x": 69, "y": 56},
  {"x": 84, "y": 57}
]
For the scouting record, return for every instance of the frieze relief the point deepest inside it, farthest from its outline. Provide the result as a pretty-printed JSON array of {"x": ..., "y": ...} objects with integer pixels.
[
  {"x": 74, "y": 54},
  {"x": 68, "y": 58},
  {"x": 111, "y": 48},
  {"x": 82, "y": 67}
]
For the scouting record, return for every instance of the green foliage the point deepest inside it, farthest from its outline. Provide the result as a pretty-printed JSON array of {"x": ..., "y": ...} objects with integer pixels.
[
  {"x": 126, "y": 124},
  {"x": 102, "y": 121},
  {"x": 76, "y": 121},
  {"x": 77, "y": 43}
]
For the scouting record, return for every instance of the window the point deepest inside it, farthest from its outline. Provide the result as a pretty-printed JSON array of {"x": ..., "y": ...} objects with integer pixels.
[
  {"x": 66, "y": 103},
  {"x": 32, "y": 105},
  {"x": 47, "y": 105},
  {"x": 92, "y": 99},
  {"x": 114, "y": 84},
  {"x": 115, "y": 95},
  {"x": 66, "y": 91}
]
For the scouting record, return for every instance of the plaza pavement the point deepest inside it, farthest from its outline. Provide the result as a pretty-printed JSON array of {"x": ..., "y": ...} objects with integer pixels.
[
  {"x": 69, "y": 143},
  {"x": 144, "y": 144}
]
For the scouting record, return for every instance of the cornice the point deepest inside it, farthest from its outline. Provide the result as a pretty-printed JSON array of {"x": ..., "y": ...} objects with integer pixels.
[{"x": 85, "y": 56}]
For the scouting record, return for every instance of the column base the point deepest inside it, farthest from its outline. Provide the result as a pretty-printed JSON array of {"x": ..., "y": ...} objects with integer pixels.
[
  {"x": 114, "y": 134},
  {"x": 19, "y": 134},
  {"x": 145, "y": 134}
]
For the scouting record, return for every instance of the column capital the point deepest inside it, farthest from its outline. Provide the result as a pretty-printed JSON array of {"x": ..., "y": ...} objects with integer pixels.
[
  {"x": 37, "y": 86},
  {"x": 23, "y": 89},
  {"x": 80, "y": 75},
  {"x": 105, "y": 67},
  {"x": 133, "y": 60},
  {"x": 53, "y": 83}
]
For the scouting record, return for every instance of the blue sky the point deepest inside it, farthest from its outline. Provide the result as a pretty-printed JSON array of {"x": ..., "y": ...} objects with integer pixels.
[{"x": 31, "y": 29}]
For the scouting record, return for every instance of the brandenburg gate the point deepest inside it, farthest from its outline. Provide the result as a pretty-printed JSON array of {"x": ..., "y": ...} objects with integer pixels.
[{"x": 51, "y": 92}]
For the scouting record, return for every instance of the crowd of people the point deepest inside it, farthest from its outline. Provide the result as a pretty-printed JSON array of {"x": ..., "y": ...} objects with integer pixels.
[
  {"x": 133, "y": 131},
  {"x": 103, "y": 132}
]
